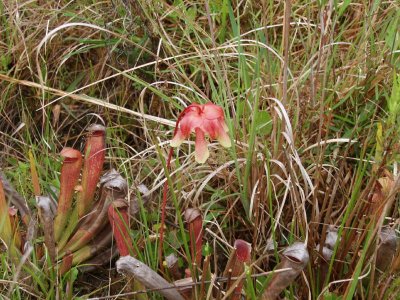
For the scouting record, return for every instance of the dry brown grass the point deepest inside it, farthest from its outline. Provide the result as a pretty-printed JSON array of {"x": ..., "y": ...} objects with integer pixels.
[{"x": 138, "y": 63}]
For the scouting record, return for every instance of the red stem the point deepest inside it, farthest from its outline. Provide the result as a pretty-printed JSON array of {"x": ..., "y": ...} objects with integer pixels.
[
  {"x": 164, "y": 204},
  {"x": 165, "y": 192}
]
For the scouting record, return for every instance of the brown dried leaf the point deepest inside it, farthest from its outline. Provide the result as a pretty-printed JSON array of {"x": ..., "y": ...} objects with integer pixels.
[
  {"x": 134, "y": 205},
  {"x": 150, "y": 279},
  {"x": 295, "y": 257},
  {"x": 388, "y": 244},
  {"x": 46, "y": 215},
  {"x": 172, "y": 266}
]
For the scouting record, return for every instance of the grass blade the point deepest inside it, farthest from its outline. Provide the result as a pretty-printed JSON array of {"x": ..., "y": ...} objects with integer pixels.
[{"x": 34, "y": 175}]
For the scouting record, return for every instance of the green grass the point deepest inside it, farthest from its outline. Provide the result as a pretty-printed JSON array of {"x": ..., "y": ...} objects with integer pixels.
[{"x": 138, "y": 68}]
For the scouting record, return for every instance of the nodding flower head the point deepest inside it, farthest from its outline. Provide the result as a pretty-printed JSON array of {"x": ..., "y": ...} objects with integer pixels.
[{"x": 207, "y": 119}]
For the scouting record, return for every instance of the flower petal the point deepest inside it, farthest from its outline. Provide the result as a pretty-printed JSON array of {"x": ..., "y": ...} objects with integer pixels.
[
  {"x": 178, "y": 139},
  {"x": 211, "y": 127},
  {"x": 214, "y": 128},
  {"x": 217, "y": 130},
  {"x": 212, "y": 111},
  {"x": 222, "y": 121},
  {"x": 201, "y": 147},
  {"x": 191, "y": 120},
  {"x": 224, "y": 139},
  {"x": 193, "y": 106}
]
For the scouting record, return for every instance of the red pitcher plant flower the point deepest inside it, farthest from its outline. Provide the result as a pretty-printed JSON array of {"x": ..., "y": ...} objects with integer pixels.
[
  {"x": 207, "y": 119},
  {"x": 202, "y": 120}
]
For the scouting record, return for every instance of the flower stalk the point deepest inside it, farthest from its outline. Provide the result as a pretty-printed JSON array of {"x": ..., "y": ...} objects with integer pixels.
[{"x": 207, "y": 119}]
